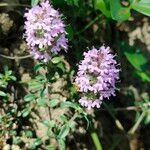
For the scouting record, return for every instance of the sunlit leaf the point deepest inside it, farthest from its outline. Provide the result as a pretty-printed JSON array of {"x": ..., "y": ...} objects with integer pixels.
[
  {"x": 118, "y": 12},
  {"x": 100, "y": 4},
  {"x": 142, "y": 6}
]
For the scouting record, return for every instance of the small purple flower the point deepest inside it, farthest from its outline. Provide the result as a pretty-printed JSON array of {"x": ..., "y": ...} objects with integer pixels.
[
  {"x": 45, "y": 31},
  {"x": 96, "y": 77}
]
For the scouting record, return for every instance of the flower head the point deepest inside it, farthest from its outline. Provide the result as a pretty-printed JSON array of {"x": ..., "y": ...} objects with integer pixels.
[
  {"x": 44, "y": 31},
  {"x": 96, "y": 77}
]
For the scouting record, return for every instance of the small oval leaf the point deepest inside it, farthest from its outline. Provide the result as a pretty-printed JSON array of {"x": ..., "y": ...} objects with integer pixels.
[{"x": 29, "y": 97}]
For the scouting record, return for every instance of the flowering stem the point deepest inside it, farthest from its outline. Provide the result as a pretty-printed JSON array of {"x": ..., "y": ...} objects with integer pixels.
[{"x": 96, "y": 141}]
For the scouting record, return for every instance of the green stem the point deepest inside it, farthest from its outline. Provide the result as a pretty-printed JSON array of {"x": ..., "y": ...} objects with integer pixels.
[{"x": 96, "y": 141}]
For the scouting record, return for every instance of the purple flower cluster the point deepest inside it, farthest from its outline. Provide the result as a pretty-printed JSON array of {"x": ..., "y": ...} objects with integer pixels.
[
  {"x": 96, "y": 77},
  {"x": 44, "y": 31}
]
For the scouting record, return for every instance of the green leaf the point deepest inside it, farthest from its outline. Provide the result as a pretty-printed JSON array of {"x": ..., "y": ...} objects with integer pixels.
[
  {"x": 44, "y": 92},
  {"x": 38, "y": 141},
  {"x": 13, "y": 133},
  {"x": 118, "y": 12},
  {"x": 63, "y": 118},
  {"x": 49, "y": 123},
  {"x": 3, "y": 94},
  {"x": 13, "y": 78},
  {"x": 9, "y": 73},
  {"x": 100, "y": 4},
  {"x": 72, "y": 125},
  {"x": 61, "y": 66},
  {"x": 72, "y": 2},
  {"x": 16, "y": 140},
  {"x": 69, "y": 104},
  {"x": 142, "y": 6},
  {"x": 53, "y": 102},
  {"x": 70, "y": 32},
  {"x": 50, "y": 147},
  {"x": 56, "y": 60},
  {"x": 145, "y": 1},
  {"x": 34, "y": 2},
  {"x": 145, "y": 77},
  {"x": 40, "y": 78},
  {"x": 137, "y": 60},
  {"x": 62, "y": 144},
  {"x": 35, "y": 85},
  {"x": 147, "y": 117},
  {"x": 42, "y": 102},
  {"x": 135, "y": 57},
  {"x": 64, "y": 132},
  {"x": 26, "y": 112},
  {"x": 29, "y": 133},
  {"x": 38, "y": 67},
  {"x": 29, "y": 97}
]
